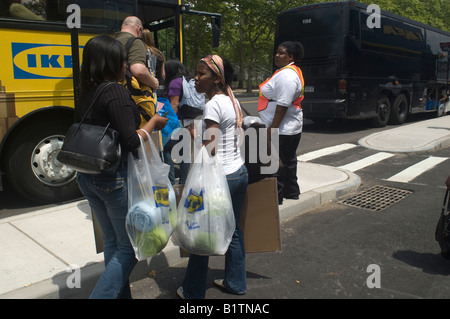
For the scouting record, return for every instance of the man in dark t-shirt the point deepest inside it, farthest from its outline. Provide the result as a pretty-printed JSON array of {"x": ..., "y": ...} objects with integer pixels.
[{"x": 137, "y": 57}]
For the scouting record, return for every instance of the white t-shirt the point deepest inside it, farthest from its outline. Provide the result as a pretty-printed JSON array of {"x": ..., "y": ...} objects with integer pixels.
[
  {"x": 220, "y": 110},
  {"x": 282, "y": 89}
]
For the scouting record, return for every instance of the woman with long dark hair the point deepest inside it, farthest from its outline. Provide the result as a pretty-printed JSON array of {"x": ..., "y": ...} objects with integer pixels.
[
  {"x": 175, "y": 71},
  {"x": 104, "y": 63}
]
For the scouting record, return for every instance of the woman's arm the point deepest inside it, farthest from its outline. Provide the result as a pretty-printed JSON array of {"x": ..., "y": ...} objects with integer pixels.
[
  {"x": 280, "y": 112},
  {"x": 175, "y": 102},
  {"x": 210, "y": 140}
]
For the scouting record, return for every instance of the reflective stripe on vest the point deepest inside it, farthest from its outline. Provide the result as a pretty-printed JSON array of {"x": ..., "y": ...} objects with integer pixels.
[{"x": 263, "y": 101}]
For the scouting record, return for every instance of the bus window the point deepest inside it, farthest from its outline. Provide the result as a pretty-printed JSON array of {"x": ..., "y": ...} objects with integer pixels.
[
  {"x": 26, "y": 10},
  {"x": 56, "y": 10},
  {"x": 318, "y": 30},
  {"x": 394, "y": 36},
  {"x": 354, "y": 26}
]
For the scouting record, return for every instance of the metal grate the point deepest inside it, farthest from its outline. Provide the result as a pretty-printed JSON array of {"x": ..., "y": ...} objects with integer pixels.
[{"x": 377, "y": 198}]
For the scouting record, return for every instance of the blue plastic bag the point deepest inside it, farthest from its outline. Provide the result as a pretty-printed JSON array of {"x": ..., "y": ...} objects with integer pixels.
[{"x": 163, "y": 106}]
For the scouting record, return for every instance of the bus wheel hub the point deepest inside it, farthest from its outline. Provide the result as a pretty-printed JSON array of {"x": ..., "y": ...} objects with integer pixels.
[{"x": 46, "y": 167}]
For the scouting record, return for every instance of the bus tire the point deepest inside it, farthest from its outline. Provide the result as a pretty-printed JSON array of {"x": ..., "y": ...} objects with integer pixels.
[
  {"x": 20, "y": 154},
  {"x": 383, "y": 112},
  {"x": 399, "y": 110}
]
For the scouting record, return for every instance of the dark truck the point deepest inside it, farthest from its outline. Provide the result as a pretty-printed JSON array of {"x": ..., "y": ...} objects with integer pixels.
[{"x": 360, "y": 65}]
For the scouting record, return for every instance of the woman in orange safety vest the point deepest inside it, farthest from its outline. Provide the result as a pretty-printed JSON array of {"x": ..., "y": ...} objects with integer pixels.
[{"x": 280, "y": 108}]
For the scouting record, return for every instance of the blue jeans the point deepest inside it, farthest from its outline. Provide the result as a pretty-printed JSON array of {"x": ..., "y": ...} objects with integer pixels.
[
  {"x": 108, "y": 199},
  {"x": 194, "y": 284}
]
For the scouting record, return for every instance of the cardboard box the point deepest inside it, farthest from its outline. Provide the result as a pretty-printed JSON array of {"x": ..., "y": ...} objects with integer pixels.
[{"x": 260, "y": 220}]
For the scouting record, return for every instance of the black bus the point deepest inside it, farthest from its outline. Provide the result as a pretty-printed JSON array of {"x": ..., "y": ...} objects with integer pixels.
[{"x": 354, "y": 69}]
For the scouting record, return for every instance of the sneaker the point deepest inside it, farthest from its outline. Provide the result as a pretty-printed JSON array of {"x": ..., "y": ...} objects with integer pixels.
[
  {"x": 180, "y": 293},
  {"x": 219, "y": 283}
]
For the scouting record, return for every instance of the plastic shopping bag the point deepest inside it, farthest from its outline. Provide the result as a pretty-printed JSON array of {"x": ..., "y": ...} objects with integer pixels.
[
  {"x": 205, "y": 212},
  {"x": 152, "y": 210},
  {"x": 173, "y": 124}
]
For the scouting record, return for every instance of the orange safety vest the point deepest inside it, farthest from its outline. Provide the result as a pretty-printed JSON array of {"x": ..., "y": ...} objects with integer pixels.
[{"x": 263, "y": 101}]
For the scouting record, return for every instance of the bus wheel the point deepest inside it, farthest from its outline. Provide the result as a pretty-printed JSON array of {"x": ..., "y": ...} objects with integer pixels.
[
  {"x": 399, "y": 110},
  {"x": 32, "y": 168},
  {"x": 384, "y": 110}
]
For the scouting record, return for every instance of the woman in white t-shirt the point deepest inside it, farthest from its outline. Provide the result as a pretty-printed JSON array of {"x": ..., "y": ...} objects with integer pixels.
[
  {"x": 280, "y": 108},
  {"x": 222, "y": 113}
]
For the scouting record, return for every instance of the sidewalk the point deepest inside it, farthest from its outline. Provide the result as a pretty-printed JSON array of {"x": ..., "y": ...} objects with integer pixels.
[{"x": 37, "y": 249}]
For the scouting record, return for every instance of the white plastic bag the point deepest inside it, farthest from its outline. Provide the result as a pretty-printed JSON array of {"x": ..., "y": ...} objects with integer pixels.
[
  {"x": 205, "y": 212},
  {"x": 152, "y": 211},
  {"x": 190, "y": 95}
]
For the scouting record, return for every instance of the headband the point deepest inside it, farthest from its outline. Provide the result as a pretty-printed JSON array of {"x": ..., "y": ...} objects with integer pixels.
[{"x": 215, "y": 63}]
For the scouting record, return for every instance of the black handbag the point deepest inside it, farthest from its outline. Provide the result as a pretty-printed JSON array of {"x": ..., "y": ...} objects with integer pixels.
[
  {"x": 442, "y": 233},
  {"x": 91, "y": 149}
]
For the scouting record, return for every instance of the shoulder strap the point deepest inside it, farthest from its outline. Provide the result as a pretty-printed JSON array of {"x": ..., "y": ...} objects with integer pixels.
[
  {"x": 129, "y": 43},
  {"x": 99, "y": 90}
]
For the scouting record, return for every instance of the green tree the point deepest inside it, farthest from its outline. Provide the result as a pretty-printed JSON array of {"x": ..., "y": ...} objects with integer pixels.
[{"x": 248, "y": 29}]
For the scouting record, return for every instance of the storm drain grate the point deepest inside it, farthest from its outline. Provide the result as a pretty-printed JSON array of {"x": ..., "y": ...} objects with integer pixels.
[{"x": 377, "y": 198}]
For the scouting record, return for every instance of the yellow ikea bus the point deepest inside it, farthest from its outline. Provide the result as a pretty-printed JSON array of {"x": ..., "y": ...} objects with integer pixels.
[{"x": 36, "y": 82}]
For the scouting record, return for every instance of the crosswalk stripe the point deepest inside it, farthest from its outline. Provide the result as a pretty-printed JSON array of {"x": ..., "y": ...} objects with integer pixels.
[
  {"x": 370, "y": 160},
  {"x": 325, "y": 151},
  {"x": 415, "y": 170}
]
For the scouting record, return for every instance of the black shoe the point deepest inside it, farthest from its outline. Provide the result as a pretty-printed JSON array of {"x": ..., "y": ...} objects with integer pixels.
[{"x": 292, "y": 197}]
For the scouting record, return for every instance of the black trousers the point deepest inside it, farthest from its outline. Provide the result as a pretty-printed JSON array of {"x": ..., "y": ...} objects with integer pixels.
[{"x": 287, "y": 174}]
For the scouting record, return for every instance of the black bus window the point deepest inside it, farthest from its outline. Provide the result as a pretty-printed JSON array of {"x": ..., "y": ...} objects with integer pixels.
[
  {"x": 56, "y": 10},
  {"x": 354, "y": 25},
  {"x": 27, "y": 10}
]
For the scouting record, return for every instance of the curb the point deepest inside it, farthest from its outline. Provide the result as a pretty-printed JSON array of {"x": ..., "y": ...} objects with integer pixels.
[{"x": 428, "y": 135}]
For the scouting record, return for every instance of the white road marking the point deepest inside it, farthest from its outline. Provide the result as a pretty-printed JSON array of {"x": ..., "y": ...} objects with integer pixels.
[
  {"x": 416, "y": 170},
  {"x": 325, "y": 151},
  {"x": 367, "y": 161}
]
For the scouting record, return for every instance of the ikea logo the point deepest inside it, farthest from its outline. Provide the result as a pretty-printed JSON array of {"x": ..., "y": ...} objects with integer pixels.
[
  {"x": 41, "y": 61},
  {"x": 194, "y": 202},
  {"x": 161, "y": 193}
]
